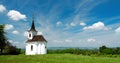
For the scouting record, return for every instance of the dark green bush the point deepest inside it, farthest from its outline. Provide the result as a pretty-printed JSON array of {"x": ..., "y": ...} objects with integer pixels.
[{"x": 106, "y": 50}]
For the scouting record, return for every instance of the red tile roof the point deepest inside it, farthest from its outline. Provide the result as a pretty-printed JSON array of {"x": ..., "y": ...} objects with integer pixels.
[{"x": 39, "y": 38}]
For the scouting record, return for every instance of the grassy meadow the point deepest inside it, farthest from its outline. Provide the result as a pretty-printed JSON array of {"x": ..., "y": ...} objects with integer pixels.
[{"x": 57, "y": 58}]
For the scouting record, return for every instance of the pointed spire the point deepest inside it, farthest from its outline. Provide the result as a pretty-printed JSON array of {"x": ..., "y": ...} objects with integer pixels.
[{"x": 33, "y": 26}]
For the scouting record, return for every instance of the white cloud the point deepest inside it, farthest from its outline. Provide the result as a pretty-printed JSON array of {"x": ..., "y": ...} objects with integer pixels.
[
  {"x": 39, "y": 33},
  {"x": 8, "y": 26},
  {"x": 15, "y": 32},
  {"x": 16, "y": 15},
  {"x": 25, "y": 33},
  {"x": 68, "y": 40},
  {"x": 91, "y": 40},
  {"x": 2, "y": 8},
  {"x": 82, "y": 24},
  {"x": 117, "y": 30},
  {"x": 11, "y": 41},
  {"x": 59, "y": 23},
  {"x": 96, "y": 26},
  {"x": 72, "y": 24}
]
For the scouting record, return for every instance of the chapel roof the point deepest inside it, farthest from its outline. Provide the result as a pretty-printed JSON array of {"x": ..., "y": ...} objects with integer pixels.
[{"x": 38, "y": 38}]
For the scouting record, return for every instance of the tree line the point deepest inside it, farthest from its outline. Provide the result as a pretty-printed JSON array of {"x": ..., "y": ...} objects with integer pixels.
[
  {"x": 103, "y": 50},
  {"x": 5, "y": 46}
]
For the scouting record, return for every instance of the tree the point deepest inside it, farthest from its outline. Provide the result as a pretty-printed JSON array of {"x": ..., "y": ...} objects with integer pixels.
[
  {"x": 106, "y": 50},
  {"x": 102, "y": 48},
  {"x": 2, "y": 38},
  {"x": 10, "y": 49}
]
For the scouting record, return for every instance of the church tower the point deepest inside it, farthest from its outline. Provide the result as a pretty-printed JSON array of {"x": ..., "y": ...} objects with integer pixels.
[
  {"x": 35, "y": 44},
  {"x": 32, "y": 32}
]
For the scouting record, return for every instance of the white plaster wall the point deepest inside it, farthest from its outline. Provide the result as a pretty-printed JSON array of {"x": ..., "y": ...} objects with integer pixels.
[
  {"x": 28, "y": 49},
  {"x": 43, "y": 49},
  {"x": 38, "y": 48}
]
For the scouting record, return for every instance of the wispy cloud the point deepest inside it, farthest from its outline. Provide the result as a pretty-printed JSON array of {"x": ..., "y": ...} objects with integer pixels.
[
  {"x": 82, "y": 23},
  {"x": 15, "y": 32},
  {"x": 16, "y": 43},
  {"x": 59, "y": 23},
  {"x": 8, "y": 26},
  {"x": 83, "y": 9},
  {"x": 25, "y": 34},
  {"x": 117, "y": 30},
  {"x": 72, "y": 24},
  {"x": 82, "y": 12},
  {"x": 2, "y": 8},
  {"x": 91, "y": 40}
]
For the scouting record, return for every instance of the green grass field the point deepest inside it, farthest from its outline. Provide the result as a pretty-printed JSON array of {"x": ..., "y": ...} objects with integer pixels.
[{"x": 57, "y": 58}]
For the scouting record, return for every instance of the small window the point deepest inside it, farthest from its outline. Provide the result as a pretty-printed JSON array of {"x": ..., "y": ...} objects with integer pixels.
[
  {"x": 29, "y": 35},
  {"x": 31, "y": 47}
]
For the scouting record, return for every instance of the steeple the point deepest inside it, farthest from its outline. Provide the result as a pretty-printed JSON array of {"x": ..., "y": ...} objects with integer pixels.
[{"x": 33, "y": 26}]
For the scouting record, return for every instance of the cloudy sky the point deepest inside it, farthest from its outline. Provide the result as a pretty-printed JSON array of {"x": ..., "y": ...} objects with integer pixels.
[{"x": 64, "y": 23}]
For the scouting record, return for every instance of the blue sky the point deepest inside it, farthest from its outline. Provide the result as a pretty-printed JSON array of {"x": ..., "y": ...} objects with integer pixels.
[{"x": 64, "y": 23}]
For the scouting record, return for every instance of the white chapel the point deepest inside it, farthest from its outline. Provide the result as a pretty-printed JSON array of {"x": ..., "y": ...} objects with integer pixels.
[{"x": 35, "y": 44}]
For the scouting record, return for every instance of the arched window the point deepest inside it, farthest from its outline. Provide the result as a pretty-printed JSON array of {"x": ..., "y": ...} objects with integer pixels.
[
  {"x": 29, "y": 35},
  {"x": 31, "y": 47}
]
